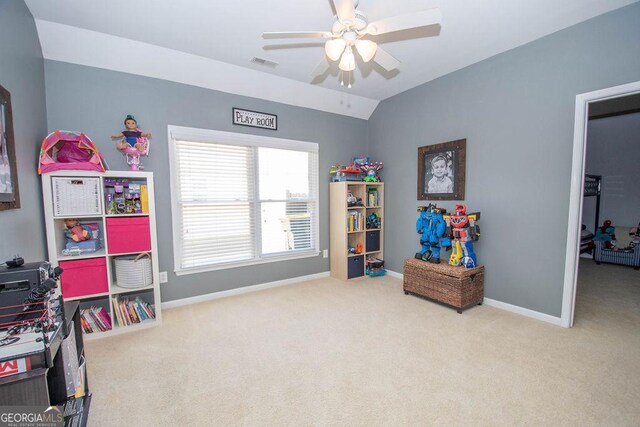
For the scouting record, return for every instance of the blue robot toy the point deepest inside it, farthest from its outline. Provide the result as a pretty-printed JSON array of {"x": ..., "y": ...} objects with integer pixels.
[{"x": 431, "y": 226}]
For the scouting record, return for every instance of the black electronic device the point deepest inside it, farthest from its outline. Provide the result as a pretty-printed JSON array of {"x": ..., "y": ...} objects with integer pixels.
[
  {"x": 17, "y": 261},
  {"x": 20, "y": 285}
]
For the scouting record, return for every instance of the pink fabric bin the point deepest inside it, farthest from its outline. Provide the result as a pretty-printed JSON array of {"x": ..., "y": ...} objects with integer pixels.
[
  {"x": 84, "y": 277},
  {"x": 129, "y": 234}
]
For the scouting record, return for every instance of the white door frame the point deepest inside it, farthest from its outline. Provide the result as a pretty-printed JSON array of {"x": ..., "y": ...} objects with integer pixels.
[{"x": 575, "y": 197}]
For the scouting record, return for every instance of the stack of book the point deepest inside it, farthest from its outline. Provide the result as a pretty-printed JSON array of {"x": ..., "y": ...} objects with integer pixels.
[
  {"x": 128, "y": 311},
  {"x": 95, "y": 319},
  {"x": 373, "y": 198},
  {"x": 356, "y": 221}
]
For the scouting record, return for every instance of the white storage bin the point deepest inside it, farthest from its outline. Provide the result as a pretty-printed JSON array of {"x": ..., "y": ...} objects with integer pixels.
[{"x": 133, "y": 271}]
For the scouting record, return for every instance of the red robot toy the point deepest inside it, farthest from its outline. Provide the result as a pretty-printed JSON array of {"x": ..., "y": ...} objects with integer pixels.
[{"x": 463, "y": 231}]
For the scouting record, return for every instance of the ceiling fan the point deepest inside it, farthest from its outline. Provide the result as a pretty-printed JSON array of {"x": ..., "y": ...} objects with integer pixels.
[{"x": 349, "y": 31}]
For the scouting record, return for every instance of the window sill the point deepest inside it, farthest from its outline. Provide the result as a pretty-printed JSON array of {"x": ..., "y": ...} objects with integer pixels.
[{"x": 203, "y": 269}]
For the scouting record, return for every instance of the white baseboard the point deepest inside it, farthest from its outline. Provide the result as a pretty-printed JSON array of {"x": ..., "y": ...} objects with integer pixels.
[
  {"x": 240, "y": 291},
  {"x": 524, "y": 311},
  {"x": 504, "y": 306},
  {"x": 395, "y": 274}
]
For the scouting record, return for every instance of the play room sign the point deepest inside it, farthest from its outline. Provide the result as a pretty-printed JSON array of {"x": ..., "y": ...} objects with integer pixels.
[{"x": 255, "y": 119}]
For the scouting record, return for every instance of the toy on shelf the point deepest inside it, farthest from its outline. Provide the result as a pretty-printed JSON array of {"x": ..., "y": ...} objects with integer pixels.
[
  {"x": 347, "y": 173},
  {"x": 431, "y": 226},
  {"x": 463, "y": 231},
  {"x": 371, "y": 170},
  {"x": 357, "y": 249},
  {"x": 132, "y": 142},
  {"x": 373, "y": 220},
  {"x": 374, "y": 266},
  {"x": 334, "y": 170},
  {"x": 125, "y": 197},
  {"x": 76, "y": 231},
  {"x": 64, "y": 150},
  {"x": 81, "y": 237},
  {"x": 353, "y": 201},
  {"x": 373, "y": 198},
  {"x": 360, "y": 169}
]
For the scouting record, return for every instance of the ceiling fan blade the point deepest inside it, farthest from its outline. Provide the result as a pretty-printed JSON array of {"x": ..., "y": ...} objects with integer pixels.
[
  {"x": 385, "y": 60},
  {"x": 405, "y": 22},
  {"x": 321, "y": 68},
  {"x": 345, "y": 10},
  {"x": 297, "y": 35}
]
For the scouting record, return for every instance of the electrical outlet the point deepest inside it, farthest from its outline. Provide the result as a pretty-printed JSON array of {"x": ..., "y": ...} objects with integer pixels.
[
  {"x": 163, "y": 277},
  {"x": 325, "y": 253}
]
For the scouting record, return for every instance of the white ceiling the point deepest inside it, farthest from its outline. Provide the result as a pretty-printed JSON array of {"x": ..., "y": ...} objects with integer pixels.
[{"x": 230, "y": 32}]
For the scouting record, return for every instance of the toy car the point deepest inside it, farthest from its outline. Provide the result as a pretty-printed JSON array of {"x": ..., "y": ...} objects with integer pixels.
[{"x": 353, "y": 200}]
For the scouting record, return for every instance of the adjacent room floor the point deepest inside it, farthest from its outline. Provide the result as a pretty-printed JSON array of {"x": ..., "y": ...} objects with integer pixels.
[{"x": 326, "y": 352}]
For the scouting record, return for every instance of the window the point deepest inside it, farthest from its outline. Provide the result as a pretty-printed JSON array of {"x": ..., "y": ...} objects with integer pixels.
[{"x": 241, "y": 199}]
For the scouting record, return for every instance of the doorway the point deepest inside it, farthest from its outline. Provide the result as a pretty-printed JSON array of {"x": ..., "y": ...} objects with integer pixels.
[{"x": 583, "y": 102}]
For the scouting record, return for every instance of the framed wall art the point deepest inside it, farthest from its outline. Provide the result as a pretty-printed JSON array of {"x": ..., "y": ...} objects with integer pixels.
[
  {"x": 9, "y": 197},
  {"x": 441, "y": 171}
]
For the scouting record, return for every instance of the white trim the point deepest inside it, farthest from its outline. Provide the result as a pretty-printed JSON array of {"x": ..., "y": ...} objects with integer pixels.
[
  {"x": 231, "y": 138},
  {"x": 75, "y": 45},
  {"x": 575, "y": 196},
  {"x": 504, "y": 306},
  {"x": 175, "y": 209},
  {"x": 395, "y": 274},
  {"x": 244, "y": 139},
  {"x": 522, "y": 311},
  {"x": 264, "y": 260},
  {"x": 240, "y": 291}
]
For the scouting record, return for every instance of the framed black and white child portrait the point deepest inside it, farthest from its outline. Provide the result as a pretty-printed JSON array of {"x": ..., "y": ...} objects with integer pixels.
[{"x": 441, "y": 171}]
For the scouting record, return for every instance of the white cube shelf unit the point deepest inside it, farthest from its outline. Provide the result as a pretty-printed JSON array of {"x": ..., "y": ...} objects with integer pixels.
[{"x": 118, "y": 209}]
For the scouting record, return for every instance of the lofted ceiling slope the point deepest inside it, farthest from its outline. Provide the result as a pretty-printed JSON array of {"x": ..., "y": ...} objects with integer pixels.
[{"x": 228, "y": 32}]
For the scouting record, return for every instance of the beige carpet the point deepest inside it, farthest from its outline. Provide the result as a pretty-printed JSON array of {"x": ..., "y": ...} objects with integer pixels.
[{"x": 326, "y": 352}]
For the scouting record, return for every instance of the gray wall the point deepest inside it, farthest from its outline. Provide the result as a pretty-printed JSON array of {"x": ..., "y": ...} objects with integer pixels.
[
  {"x": 96, "y": 101},
  {"x": 613, "y": 151},
  {"x": 22, "y": 74},
  {"x": 516, "y": 111}
]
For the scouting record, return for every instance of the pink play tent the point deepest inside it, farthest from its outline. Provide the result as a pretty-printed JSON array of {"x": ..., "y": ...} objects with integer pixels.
[{"x": 64, "y": 150}]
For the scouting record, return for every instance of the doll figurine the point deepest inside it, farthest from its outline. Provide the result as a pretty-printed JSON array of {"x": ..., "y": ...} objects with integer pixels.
[
  {"x": 76, "y": 231},
  {"x": 132, "y": 142}
]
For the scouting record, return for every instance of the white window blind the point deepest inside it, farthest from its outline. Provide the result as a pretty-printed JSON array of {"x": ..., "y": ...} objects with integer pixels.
[{"x": 242, "y": 199}]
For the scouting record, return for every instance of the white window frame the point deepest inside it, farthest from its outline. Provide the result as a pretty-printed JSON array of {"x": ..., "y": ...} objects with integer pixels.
[{"x": 231, "y": 138}]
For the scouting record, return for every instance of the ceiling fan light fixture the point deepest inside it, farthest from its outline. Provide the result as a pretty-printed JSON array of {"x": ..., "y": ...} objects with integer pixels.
[
  {"x": 366, "y": 49},
  {"x": 348, "y": 61},
  {"x": 334, "y": 48}
]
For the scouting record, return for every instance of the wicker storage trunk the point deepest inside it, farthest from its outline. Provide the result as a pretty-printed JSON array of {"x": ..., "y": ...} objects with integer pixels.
[{"x": 457, "y": 287}]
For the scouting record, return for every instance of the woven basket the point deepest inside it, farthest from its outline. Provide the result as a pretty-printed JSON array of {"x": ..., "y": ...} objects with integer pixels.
[
  {"x": 456, "y": 286},
  {"x": 133, "y": 271}
]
